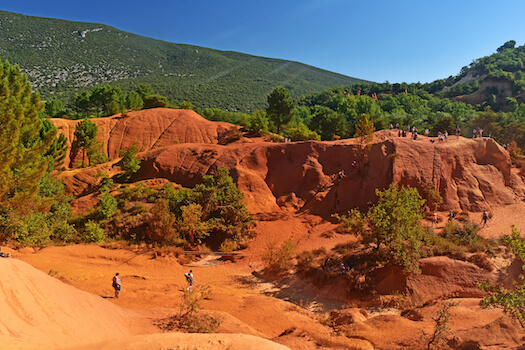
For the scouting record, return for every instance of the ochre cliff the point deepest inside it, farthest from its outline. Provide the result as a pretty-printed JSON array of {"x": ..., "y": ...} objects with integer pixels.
[{"x": 469, "y": 174}]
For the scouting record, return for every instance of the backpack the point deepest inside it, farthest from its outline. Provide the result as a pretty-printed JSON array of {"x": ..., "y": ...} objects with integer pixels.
[{"x": 188, "y": 277}]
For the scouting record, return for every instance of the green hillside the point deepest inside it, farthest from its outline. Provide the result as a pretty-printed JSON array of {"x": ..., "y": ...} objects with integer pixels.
[{"x": 62, "y": 57}]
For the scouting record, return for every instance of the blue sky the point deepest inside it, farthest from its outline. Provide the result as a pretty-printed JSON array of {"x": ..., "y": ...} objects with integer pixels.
[{"x": 382, "y": 40}]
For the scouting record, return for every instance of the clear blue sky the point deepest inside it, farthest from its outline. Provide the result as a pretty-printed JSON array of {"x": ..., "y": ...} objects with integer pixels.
[{"x": 411, "y": 40}]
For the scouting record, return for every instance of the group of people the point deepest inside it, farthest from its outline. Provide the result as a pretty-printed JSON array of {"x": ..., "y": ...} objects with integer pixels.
[
  {"x": 442, "y": 136},
  {"x": 452, "y": 215},
  {"x": 117, "y": 283},
  {"x": 328, "y": 265},
  {"x": 477, "y": 132}
]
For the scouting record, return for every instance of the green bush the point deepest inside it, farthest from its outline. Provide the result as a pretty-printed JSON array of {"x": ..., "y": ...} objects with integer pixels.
[
  {"x": 107, "y": 205},
  {"x": 130, "y": 163},
  {"x": 462, "y": 233},
  {"x": 93, "y": 233},
  {"x": 392, "y": 226},
  {"x": 511, "y": 301},
  {"x": 302, "y": 133}
]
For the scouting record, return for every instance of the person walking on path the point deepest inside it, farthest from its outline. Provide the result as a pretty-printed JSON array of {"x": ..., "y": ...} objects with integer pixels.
[
  {"x": 435, "y": 219},
  {"x": 189, "y": 279},
  {"x": 484, "y": 219},
  {"x": 117, "y": 285}
]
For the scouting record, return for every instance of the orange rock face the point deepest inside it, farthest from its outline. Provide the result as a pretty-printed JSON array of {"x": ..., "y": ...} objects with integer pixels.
[
  {"x": 148, "y": 129},
  {"x": 181, "y": 146}
]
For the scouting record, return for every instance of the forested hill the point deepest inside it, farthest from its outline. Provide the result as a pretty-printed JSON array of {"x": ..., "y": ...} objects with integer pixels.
[{"x": 61, "y": 57}]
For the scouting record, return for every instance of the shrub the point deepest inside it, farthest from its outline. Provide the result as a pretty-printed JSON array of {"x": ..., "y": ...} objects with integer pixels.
[
  {"x": 442, "y": 331},
  {"x": 107, "y": 205},
  {"x": 462, "y": 233},
  {"x": 511, "y": 301},
  {"x": 190, "y": 318},
  {"x": 232, "y": 135},
  {"x": 279, "y": 260},
  {"x": 302, "y": 133},
  {"x": 93, "y": 233},
  {"x": 130, "y": 163},
  {"x": 393, "y": 226},
  {"x": 257, "y": 123}
]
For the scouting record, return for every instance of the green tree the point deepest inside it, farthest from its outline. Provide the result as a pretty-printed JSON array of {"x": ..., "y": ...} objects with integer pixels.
[
  {"x": 280, "y": 108},
  {"x": 58, "y": 149},
  {"x": 190, "y": 224},
  {"x": 511, "y": 301},
  {"x": 508, "y": 45},
  {"x": 86, "y": 140},
  {"x": 107, "y": 204},
  {"x": 302, "y": 133},
  {"x": 444, "y": 124},
  {"x": 258, "y": 122},
  {"x": 130, "y": 163},
  {"x": 134, "y": 101},
  {"x": 162, "y": 223},
  {"x": 186, "y": 105},
  {"x": 155, "y": 101},
  {"x": 93, "y": 233},
  {"x": 489, "y": 122},
  {"x": 144, "y": 90},
  {"x": 364, "y": 133},
  {"x": 23, "y": 142},
  {"x": 54, "y": 108},
  {"x": 81, "y": 103},
  {"x": 328, "y": 123},
  {"x": 107, "y": 99},
  {"x": 393, "y": 225}
]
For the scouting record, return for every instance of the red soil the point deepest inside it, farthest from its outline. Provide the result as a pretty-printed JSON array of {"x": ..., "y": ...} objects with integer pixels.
[{"x": 291, "y": 189}]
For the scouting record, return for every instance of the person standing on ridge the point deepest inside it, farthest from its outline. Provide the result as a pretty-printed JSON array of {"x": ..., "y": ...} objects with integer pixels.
[{"x": 117, "y": 285}]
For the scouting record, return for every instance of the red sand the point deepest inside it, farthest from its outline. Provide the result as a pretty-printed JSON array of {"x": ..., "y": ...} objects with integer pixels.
[{"x": 291, "y": 190}]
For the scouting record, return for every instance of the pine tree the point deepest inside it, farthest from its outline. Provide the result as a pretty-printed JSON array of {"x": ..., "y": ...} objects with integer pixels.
[
  {"x": 23, "y": 141},
  {"x": 86, "y": 139}
]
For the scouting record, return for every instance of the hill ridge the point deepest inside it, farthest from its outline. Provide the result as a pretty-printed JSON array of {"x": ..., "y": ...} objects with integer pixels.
[{"x": 62, "y": 56}]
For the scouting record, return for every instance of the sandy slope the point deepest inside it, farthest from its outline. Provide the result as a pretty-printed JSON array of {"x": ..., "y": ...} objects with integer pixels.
[{"x": 68, "y": 302}]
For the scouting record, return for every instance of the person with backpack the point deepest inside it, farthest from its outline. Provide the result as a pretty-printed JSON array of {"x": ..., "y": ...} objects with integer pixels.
[
  {"x": 451, "y": 215},
  {"x": 117, "y": 285},
  {"x": 189, "y": 279}
]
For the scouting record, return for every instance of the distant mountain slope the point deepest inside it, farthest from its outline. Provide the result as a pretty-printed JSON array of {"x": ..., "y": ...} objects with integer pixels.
[{"x": 61, "y": 57}]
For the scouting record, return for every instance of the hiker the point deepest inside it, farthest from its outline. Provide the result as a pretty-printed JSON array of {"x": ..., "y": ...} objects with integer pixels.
[
  {"x": 340, "y": 176},
  {"x": 326, "y": 265},
  {"x": 485, "y": 219},
  {"x": 451, "y": 215},
  {"x": 343, "y": 268},
  {"x": 337, "y": 205},
  {"x": 189, "y": 279},
  {"x": 435, "y": 219},
  {"x": 117, "y": 285}
]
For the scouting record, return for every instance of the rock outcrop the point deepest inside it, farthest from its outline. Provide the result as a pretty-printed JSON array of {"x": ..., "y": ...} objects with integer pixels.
[{"x": 470, "y": 175}]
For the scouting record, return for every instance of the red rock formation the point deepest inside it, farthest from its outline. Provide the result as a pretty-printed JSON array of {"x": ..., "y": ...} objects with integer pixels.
[
  {"x": 150, "y": 128},
  {"x": 469, "y": 174}
]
